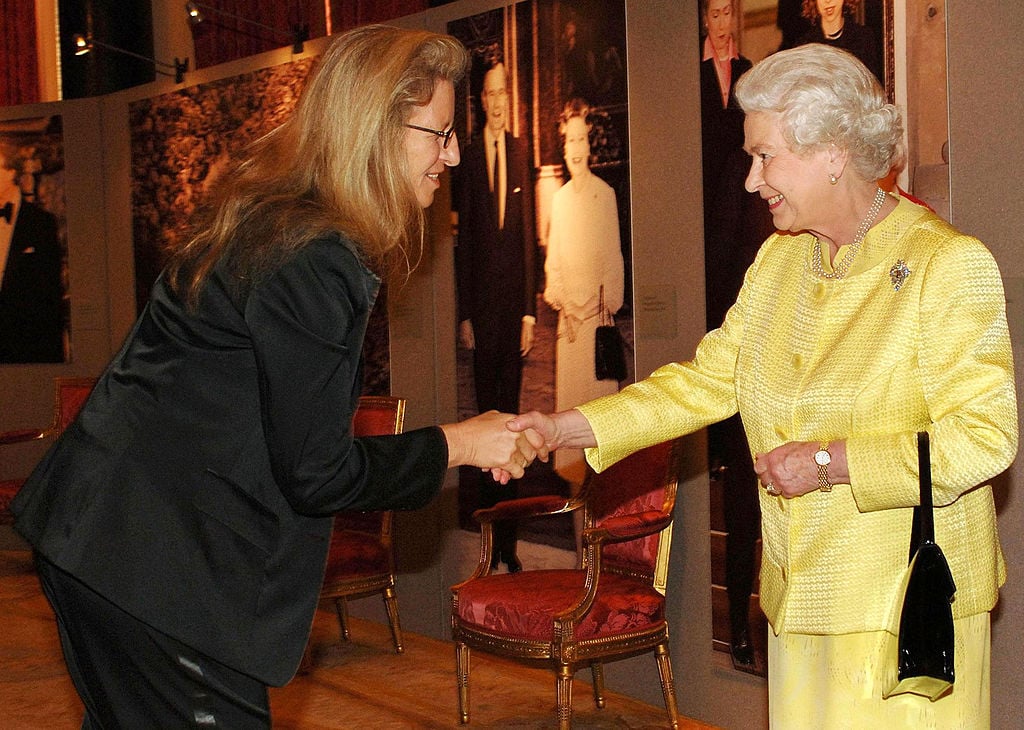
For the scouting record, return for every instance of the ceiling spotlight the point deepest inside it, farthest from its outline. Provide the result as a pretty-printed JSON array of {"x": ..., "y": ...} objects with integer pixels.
[
  {"x": 195, "y": 17},
  {"x": 84, "y": 44}
]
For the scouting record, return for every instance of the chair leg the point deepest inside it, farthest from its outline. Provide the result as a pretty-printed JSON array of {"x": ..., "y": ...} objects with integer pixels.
[
  {"x": 341, "y": 606},
  {"x": 563, "y": 696},
  {"x": 462, "y": 680},
  {"x": 668, "y": 687},
  {"x": 597, "y": 671},
  {"x": 391, "y": 604}
]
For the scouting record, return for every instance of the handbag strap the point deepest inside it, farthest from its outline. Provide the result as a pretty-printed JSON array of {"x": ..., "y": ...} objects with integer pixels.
[
  {"x": 924, "y": 523},
  {"x": 604, "y": 315}
]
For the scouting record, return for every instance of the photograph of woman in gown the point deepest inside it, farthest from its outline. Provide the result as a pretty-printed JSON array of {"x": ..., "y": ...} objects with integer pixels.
[{"x": 584, "y": 263}]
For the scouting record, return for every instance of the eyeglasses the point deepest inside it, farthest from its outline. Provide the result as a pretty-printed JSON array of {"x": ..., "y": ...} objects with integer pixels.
[{"x": 446, "y": 136}]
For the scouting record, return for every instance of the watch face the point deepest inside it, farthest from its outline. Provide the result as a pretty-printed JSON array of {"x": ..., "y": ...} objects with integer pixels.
[{"x": 822, "y": 458}]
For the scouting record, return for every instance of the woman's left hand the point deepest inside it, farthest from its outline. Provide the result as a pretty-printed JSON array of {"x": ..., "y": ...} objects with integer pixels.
[{"x": 790, "y": 470}]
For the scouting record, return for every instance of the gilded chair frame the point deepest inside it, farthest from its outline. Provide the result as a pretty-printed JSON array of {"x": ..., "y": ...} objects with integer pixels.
[{"x": 566, "y": 653}]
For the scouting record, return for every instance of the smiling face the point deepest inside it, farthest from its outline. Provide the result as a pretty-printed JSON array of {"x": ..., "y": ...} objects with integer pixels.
[
  {"x": 577, "y": 146},
  {"x": 494, "y": 97},
  {"x": 830, "y": 10},
  {"x": 425, "y": 155},
  {"x": 718, "y": 19},
  {"x": 795, "y": 187}
]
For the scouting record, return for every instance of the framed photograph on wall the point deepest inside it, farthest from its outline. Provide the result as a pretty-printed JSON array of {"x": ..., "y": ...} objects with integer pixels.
[
  {"x": 541, "y": 200},
  {"x": 734, "y": 35},
  {"x": 34, "y": 319}
]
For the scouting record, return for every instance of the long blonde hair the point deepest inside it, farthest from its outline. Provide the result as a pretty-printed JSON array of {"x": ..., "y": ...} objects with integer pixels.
[{"x": 338, "y": 163}]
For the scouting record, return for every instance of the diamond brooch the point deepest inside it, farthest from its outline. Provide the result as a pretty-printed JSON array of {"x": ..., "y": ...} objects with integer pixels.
[{"x": 898, "y": 274}]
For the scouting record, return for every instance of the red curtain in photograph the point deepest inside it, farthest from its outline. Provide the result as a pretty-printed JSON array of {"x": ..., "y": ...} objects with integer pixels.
[
  {"x": 347, "y": 14},
  {"x": 19, "y": 65},
  {"x": 234, "y": 29}
]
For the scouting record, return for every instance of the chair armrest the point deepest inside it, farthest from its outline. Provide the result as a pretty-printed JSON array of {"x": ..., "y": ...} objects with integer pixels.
[
  {"x": 613, "y": 529},
  {"x": 515, "y": 509},
  {"x": 627, "y": 527},
  {"x": 25, "y": 435},
  {"x": 527, "y": 507}
]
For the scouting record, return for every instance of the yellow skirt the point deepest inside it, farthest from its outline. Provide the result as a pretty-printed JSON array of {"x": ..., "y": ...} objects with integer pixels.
[{"x": 833, "y": 683}]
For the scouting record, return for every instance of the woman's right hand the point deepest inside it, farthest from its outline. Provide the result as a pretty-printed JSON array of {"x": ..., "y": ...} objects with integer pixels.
[{"x": 485, "y": 441}]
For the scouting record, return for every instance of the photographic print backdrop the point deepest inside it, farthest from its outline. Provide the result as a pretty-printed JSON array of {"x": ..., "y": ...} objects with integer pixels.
[
  {"x": 553, "y": 51},
  {"x": 34, "y": 308},
  {"x": 736, "y": 223}
]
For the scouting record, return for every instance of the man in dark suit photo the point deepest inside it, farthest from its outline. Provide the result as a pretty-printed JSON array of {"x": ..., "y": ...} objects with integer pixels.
[
  {"x": 494, "y": 263},
  {"x": 31, "y": 288}
]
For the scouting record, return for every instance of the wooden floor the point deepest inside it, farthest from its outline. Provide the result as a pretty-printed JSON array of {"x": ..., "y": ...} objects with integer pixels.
[{"x": 362, "y": 683}]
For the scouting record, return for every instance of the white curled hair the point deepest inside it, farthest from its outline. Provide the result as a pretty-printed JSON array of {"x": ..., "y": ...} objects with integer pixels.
[{"x": 825, "y": 96}]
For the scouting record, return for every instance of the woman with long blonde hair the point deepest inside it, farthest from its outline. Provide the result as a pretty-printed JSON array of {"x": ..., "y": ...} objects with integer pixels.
[{"x": 181, "y": 524}]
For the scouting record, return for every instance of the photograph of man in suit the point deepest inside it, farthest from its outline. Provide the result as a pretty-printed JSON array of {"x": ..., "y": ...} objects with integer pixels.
[
  {"x": 494, "y": 262},
  {"x": 31, "y": 288}
]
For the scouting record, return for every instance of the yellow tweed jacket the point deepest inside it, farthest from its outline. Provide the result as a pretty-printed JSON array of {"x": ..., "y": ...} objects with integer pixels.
[{"x": 914, "y": 337}]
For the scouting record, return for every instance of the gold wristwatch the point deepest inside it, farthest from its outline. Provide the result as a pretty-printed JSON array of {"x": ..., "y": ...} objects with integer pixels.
[{"x": 822, "y": 457}]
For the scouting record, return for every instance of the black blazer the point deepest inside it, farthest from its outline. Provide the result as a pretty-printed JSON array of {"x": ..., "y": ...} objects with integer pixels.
[
  {"x": 195, "y": 489},
  {"x": 31, "y": 297},
  {"x": 494, "y": 267},
  {"x": 856, "y": 39}
]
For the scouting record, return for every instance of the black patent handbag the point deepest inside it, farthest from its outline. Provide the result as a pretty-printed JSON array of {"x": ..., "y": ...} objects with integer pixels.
[
  {"x": 609, "y": 349},
  {"x": 924, "y": 647}
]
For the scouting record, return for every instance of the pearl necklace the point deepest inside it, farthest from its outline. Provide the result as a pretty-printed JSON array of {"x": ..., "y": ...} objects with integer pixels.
[
  {"x": 834, "y": 36},
  {"x": 843, "y": 266}
]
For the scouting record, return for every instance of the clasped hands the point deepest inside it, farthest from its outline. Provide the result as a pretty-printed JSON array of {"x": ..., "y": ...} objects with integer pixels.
[
  {"x": 486, "y": 441},
  {"x": 505, "y": 445}
]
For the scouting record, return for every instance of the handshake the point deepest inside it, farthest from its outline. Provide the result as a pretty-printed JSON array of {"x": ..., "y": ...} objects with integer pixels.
[{"x": 505, "y": 444}]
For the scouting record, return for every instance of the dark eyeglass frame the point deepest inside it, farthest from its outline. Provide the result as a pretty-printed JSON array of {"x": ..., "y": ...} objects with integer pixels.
[{"x": 446, "y": 136}]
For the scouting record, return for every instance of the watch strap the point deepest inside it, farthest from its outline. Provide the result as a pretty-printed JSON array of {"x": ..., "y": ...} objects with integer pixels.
[{"x": 824, "y": 483}]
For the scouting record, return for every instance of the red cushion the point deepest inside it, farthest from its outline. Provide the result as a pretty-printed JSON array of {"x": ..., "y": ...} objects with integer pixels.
[
  {"x": 524, "y": 604},
  {"x": 355, "y": 554}
]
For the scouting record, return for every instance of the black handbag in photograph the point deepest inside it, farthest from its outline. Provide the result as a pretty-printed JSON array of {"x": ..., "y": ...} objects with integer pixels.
[
  {"x": 609, "y": 350},
  {"x": 923, "y": 661}
]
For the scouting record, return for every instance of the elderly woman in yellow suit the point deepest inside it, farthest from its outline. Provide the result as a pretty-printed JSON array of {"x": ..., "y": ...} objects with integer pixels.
[{"x": 863, "y": 320}]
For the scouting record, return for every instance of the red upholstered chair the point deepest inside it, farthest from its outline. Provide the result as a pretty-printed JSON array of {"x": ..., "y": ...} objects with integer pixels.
[
  {"x": 610, "y": 607},
  {"x": 69, "y": 395},
  {"x": 361, "y": 560}
]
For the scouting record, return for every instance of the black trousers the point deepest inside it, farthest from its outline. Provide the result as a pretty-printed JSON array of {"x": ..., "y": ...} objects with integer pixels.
[{"x": 131, "y": 676}]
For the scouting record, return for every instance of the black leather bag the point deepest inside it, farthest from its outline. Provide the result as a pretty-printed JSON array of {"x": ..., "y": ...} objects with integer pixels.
[
  {"x": 609, "y": 349},
  {"x": 923, "y": 660}
]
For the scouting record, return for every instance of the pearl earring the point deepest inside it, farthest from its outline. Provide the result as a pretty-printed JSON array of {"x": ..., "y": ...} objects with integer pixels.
[{"x": 832, "y": 179}]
